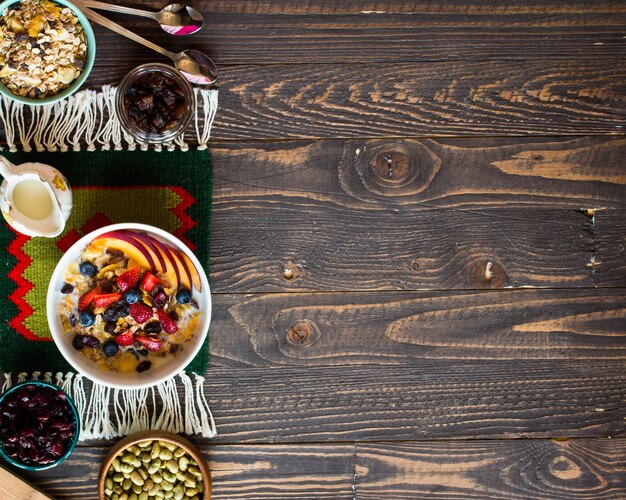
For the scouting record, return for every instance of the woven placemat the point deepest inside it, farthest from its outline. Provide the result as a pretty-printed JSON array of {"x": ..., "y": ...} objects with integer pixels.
[{"x": 168, "y": 189}]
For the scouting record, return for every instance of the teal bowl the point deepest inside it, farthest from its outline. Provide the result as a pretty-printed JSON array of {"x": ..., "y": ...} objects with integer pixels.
[
  {"x": 76, "y": 84},
  {"x": 70, "y": 447}
]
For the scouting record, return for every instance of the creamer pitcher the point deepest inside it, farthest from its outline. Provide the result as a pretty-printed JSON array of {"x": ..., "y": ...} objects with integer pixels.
[{"x": 35, "y": 199}]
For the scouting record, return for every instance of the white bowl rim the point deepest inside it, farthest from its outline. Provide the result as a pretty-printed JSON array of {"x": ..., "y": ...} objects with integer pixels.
[{"x": 54, "y": 290}]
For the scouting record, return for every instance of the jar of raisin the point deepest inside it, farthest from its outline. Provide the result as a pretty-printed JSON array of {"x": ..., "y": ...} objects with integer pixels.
[{"x": 155, "y": 103}]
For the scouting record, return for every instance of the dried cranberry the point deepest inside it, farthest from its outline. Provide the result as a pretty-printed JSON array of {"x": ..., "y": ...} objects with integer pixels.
[
  {"x": 90, "y": 341},
  {"x": 77, "y": 342},
  {"x": 109, "y": 327},
  {"x": 144, "y": 366},
  {"x": 160, "y": 299},
  {"x": 41, "y": 427},
  {"x": 153, "y": 327},
  {"x": 105, "y": 286}
]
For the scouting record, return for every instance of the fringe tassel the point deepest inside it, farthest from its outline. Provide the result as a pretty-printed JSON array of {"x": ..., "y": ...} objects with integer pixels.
[
  {"x": 89, "y": 117},
  {"x": 131, "y": 412}
]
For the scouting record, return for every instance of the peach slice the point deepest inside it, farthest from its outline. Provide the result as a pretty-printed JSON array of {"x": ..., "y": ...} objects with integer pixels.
[
  {"x": 125, "y": 244},
  {"x": 185, "y": 275},
  {"x": 190, "y": 269},
  {"x": 174, "y": 263},
  {"x": 170, "y": 272}
]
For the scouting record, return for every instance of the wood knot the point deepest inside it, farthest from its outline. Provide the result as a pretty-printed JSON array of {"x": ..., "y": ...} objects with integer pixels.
[
  {"x": 486, "y": 273},
  {"x": 392, "y": 166},
  {"x": 303, "y": 333},
  {"x": 396, "y": 168},
  {"x": 415, "y": 265},
  {"x": 564, "y": 468},
  {"x": 291, "y": 270}
]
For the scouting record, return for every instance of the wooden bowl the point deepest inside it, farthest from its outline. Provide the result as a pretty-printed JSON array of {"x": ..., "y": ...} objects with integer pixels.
[{"x": 155, "y": 436}]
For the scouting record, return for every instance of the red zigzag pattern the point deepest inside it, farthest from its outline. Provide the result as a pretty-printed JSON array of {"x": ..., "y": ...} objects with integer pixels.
[
  {"x": 23, "y": 286},
  {"x": 23, "y": 260}
]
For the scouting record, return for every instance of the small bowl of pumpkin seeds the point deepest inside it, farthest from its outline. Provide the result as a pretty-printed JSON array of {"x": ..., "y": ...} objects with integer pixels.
[{"x": 153, "y": 465}]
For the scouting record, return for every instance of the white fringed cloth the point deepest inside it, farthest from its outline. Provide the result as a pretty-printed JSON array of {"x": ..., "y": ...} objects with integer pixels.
[
  {"x": 106, "y": 413},
  {"x": 87, "y": 120}
]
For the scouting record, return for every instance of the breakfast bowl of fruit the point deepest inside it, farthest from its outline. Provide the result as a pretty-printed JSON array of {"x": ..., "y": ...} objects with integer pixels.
[{"x": 129, "y": 306}]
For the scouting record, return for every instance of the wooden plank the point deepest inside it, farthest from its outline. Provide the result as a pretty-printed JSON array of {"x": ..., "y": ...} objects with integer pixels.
[
  {"x": 589, "y": 468},
  {"x": 13, "y": 487},
  {"x": 586, "y": 468},
  {"x": 244, "y": 471},
  {"x": 464, "y": 7},
  {"x": 417, "y": 399},
  {"x": 342, "y": 32},
  {"x": 328, "y": 213},
  {"x": 459, "y": 98},
  {"x": 411, "y": 100},
  {"x": 456, "y": 98},
  {"x": 395, "y": 327},
  {"x": 424, "y": 400}
]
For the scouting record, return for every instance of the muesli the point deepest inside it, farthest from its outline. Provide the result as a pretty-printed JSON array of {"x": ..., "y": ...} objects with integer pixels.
[{"x": 43, "y": 48}]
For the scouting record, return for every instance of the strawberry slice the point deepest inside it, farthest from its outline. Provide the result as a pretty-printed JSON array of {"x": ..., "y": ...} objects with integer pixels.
[
  {"x": 129, "y": 279},
  {"x": 151, "y": 343},
  {"x": 106, "y": 299},
  {"x": 168, "y": 324},
  {"x": 149, "y": 281},
  {"x": 86, "y": 298},
  {"x": 140, "y": 312},
  {"x": 125, "y": 339}
]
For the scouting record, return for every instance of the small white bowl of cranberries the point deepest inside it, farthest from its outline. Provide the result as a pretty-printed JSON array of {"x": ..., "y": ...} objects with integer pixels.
[{"x": 39, "y": 425}]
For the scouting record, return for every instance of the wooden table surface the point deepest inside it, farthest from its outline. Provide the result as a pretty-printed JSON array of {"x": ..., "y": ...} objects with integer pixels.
[{"x": 418, "y": 251}]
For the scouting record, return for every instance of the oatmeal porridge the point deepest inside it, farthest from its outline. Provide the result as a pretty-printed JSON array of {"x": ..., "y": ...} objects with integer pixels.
[{"x": 129, "y": 301}]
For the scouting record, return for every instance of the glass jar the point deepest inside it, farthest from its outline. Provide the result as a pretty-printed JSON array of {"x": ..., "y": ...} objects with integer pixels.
[{"x": 169, "y": 133}]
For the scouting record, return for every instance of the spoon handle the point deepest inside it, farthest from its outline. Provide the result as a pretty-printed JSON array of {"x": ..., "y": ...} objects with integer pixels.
[
  {"x": 107, "y": 23},
  {"x": 117, "y": 8}
]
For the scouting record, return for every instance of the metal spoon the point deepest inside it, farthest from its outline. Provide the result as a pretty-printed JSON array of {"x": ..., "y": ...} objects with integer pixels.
[
  {"x": 196, "y": 66},
  {"x": 175, "y": 19}
]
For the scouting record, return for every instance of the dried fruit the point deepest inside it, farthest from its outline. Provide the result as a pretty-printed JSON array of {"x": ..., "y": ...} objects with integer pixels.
[
  {"x": 36, "y": 424},
  {"x": 154, "y": 102}
]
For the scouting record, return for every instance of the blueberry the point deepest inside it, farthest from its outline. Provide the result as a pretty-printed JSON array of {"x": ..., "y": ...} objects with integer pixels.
[
  {"x": 110, "y": 348},
  {"x": 87, "y": 318},
  {"x": 183, "y": 296},
  {"x": 77, "y": 342},
  {"x": 87, "y": 269},
  {"x": 132, "y": 296},
  {"x": 67, "y": 288},
  {"x": 111, "y": 315}
]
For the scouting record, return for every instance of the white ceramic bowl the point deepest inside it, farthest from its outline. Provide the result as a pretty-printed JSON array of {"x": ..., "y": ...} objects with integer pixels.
[{"x": 90, "y": 369}]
